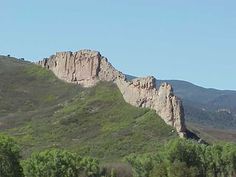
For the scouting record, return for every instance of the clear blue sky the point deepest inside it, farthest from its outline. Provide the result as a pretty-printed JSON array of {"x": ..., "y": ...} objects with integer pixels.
[{"x": 193, "y": 40}]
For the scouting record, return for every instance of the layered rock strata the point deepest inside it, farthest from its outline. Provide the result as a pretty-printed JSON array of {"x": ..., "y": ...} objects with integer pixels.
[{"x": 88, "y": 67}]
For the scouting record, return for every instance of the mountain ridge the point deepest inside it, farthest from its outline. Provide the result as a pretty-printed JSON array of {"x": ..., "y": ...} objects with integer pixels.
[
  {"x": 209, "y": 107},
  {"x": 42, "y": 112},
  {"x": 87, "y": 68},
  {"x": 205, "y": 106}
]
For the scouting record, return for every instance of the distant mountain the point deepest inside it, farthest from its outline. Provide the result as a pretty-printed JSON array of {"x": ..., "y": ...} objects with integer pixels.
[
  {"x": 209, "y": 107},
  {"x": 201, "y": 95}
]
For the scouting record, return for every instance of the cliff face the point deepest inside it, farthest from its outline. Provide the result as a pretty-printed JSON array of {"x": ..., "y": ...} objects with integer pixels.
[
  {"x": 84, "y": 67},
  {"x": 142, "y": 92},
  {"x": 87, "y": 67}
]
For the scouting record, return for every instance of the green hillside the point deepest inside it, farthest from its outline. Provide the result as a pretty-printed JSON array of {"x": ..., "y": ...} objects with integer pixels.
[{"x": 43, "y": 112}]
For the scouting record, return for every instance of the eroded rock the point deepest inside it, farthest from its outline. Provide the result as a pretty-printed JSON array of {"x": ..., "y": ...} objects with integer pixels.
[{"x": 88, "y": 67}]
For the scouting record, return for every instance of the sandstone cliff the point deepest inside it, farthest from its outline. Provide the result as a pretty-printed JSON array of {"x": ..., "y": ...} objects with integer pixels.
[{"x": 88, "y": 67}]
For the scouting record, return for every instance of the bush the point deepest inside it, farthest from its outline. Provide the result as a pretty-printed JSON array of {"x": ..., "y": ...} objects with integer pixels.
[
  {"x": 142, "y": 165},
  {"x": 58, "y": 163},
  {"x": 117, "y": 170},
  {"x": 180, "y": 169},
  {"x": 160, "y": 170},
  {"x": 9, "y": 158},
  {"x": 180, "y": 158},
  {"x": 183, "y": 151}
]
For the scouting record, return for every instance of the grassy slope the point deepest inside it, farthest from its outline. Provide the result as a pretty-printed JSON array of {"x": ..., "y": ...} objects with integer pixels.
[
  {"x": 212, "y": 135},
  {"x": 43, "y": 112}
]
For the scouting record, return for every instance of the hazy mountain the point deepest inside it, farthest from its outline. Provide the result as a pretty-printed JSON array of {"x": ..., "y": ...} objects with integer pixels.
[
  {"x": 211, "y": 107},
  {"x": 206, "y": 106}
]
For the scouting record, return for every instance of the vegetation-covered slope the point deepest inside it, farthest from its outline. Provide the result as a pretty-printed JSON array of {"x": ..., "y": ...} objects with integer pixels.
[{"x": 43, "y": 112}]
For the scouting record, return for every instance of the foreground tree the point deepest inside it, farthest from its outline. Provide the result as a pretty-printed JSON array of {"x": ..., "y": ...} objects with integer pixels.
[
  {"x": 58, "y": 163},
  {"x": 180, "y": 158},
  {"x": 183, "y": 151},
  {"x": 142, "y": 165},
  {"x": 9, "y": 158},
  {"x": 229, "y": 157}
]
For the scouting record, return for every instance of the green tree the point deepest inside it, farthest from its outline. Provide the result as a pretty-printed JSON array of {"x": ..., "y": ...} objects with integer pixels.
[
  {"x": 9, "y": 158},
  {"x": 229, "y": 158},
  {"x": 180, "y": 169},
  {"x": 90, "y": 167},
  {"x": 183, "y": 151},
  {"x": 60, "y": 163},
  {"x": 160, "y": 170},
  {"x": 216, "y": 166},
  {"x": 188, "y": 158},
  {"x": 142, "y": 165},
  {"x": 202, "y": 152}
]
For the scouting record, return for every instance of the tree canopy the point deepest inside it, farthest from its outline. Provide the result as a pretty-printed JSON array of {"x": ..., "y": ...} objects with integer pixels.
[{"x": 9, "y": 158}]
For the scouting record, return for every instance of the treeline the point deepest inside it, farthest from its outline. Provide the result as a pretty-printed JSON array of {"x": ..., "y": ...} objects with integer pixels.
[
  {"x": 185, "y": 158},
  {"x": 49, "y": 163},
  {"x": 177, "y": 158}
]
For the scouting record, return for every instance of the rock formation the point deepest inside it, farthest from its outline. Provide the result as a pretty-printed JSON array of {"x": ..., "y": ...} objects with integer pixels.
[
  {"x": 88, "y": 67},
  {"x": 84, "y": 67}
]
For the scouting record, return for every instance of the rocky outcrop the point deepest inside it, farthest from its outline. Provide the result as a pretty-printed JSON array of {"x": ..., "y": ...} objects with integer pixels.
[
  {"x": 84, "y": 67},
  {"x": 88, "y": 67},
  {"x": 142, "y": 92}
]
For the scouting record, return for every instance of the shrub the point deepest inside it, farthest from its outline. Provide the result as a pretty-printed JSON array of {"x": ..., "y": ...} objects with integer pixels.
[
  {"x": 9, "y": 158},
  {"x": 57, "y": 163},
  {"x": 141, "y": 164}
]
